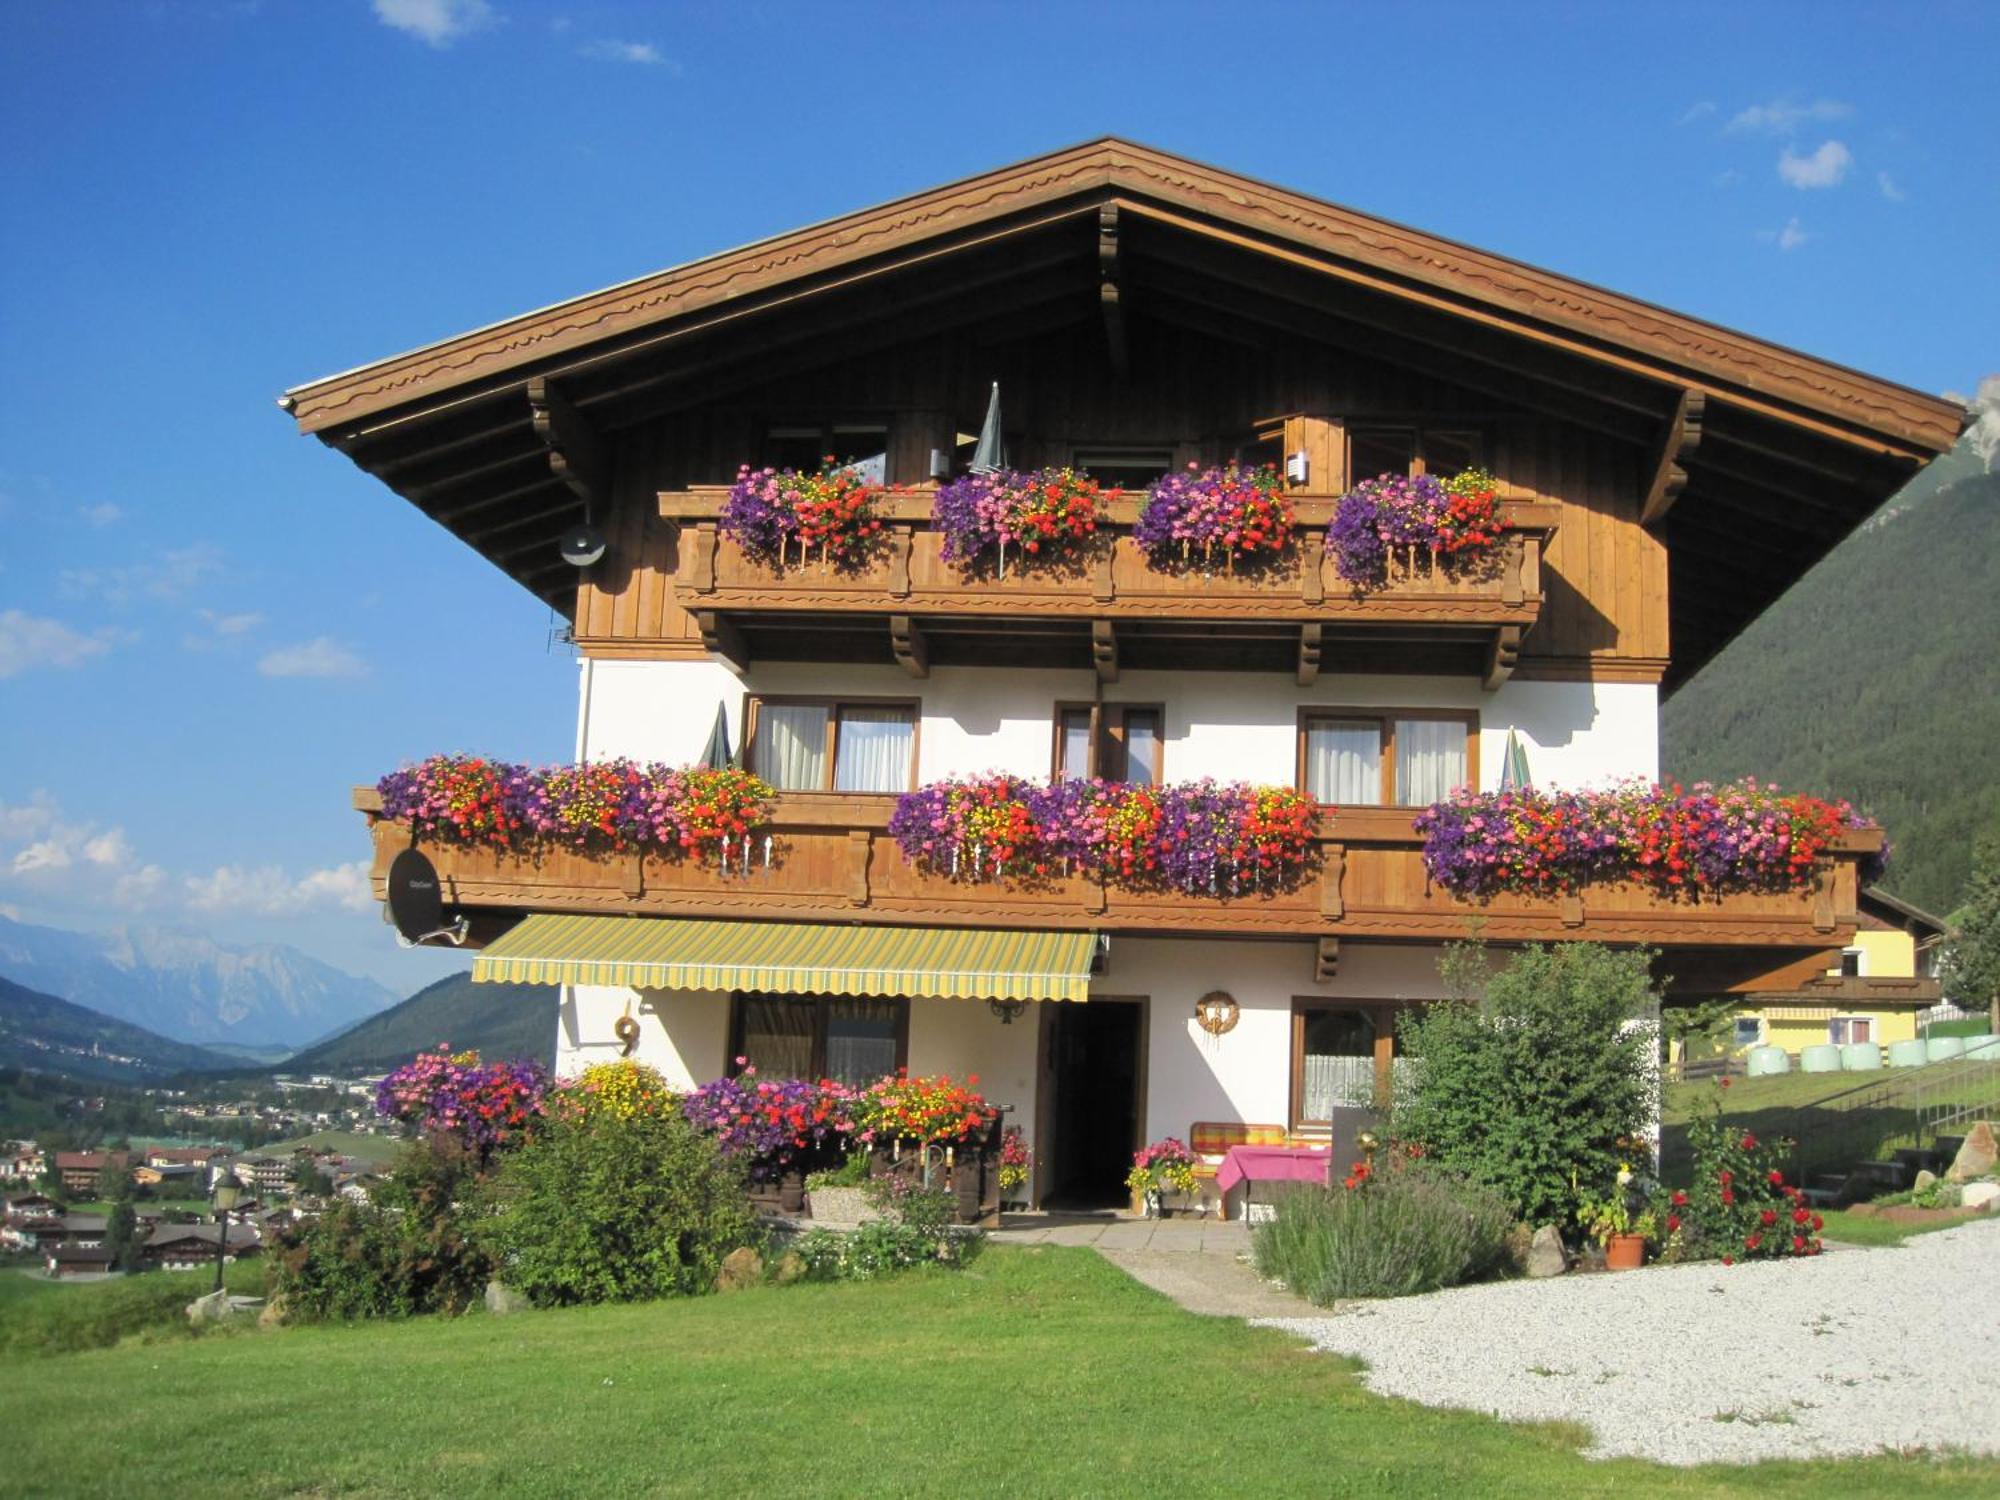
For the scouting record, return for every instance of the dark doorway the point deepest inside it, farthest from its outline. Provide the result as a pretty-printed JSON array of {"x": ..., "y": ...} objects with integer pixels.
[{"x": 1091, "y": 1082}]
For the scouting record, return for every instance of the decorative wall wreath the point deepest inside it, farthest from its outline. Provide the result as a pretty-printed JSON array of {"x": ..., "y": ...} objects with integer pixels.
[
  {"x": 626, "y": 1029},
  {"x": 1217, "y": 1012}
]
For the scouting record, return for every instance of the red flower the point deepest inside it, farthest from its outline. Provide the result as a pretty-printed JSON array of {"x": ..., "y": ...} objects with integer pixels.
[
  {"x": 1777, "y": 1179},
  {"x": 1769, "y": 1216},
  {"x": 1751, "y": 1242},
  {"x": 1749, "y": 1142},
  {"x": 1673, "y": 1222},
  {"x": 1680, "y": 1198},
  {"x": 1798, "y": 1245},
  {"x": 1800, "y": 1216}
]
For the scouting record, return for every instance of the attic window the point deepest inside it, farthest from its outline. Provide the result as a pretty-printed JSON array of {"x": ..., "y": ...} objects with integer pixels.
[
  {"x": 1410, "y": 450},
  {"x": 862, "y": 445},
  {"x": 1123, "y": 468}
]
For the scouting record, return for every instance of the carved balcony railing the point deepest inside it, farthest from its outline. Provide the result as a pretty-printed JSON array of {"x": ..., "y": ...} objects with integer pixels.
[
  {"x": 832, "y": 860},
  {"x": 910, "y": 586}
]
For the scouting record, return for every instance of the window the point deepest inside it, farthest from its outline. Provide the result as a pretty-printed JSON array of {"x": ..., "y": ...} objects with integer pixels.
[
  {"x": 1749, "y": 1030},
  {"x": 861, "y": 445},
  {"x": 1123, "y": 468},
  {"x": 1386, "y": 756},
  {"x": 1409, "y": 450},
  {"x": 819, "y": 745},
  {"x": 850, "y": 1039},
  {"x": 1341, "y": 1058},
  {"x": 1844, "y": 1029},
  {"x": 1850, "y": 963},
  {"x": 1117, "y": 741}
]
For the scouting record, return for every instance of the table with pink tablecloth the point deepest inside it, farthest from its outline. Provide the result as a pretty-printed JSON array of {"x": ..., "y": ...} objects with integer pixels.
[{"x": 1271, "y": 1164}]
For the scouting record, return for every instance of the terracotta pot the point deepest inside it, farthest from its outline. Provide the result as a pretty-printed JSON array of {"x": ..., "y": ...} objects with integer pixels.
[{"x": 1625, "y": 1252}]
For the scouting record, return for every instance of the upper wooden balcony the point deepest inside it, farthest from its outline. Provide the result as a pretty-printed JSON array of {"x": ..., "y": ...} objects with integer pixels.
[
  {"x": 832, "y": 860},
  {"x": 909, "y": 602}
]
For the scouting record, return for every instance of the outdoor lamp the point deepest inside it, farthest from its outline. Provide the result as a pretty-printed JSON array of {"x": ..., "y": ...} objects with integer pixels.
[
  {"x": 1008, "y": 1011},
  {"x": 228, "y": 1193}
]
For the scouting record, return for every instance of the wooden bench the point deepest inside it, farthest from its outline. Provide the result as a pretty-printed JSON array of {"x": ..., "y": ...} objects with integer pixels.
[{"x": 1210, "y": 1141}]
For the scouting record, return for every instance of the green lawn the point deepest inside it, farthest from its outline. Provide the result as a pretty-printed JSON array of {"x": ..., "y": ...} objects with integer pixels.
[
  {"x": 1033, "y": 1372},
  {"x": 1870, "y": 1230}
]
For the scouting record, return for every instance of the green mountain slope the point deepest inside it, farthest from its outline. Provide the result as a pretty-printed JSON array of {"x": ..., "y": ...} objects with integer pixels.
[
  {"x": 1876, "y": 678},
  {"x": 499, "y": 1020},
  {"x": 53, "y": 1036}
]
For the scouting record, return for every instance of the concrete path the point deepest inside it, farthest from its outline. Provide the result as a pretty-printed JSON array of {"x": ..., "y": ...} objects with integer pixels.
[{"x": 1203, "y": 1264}]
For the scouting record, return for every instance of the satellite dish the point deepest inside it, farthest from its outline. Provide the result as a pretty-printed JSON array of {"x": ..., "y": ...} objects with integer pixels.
[
  {"x": 416, "y": 901},
  {"x": 582, "y": 545}
]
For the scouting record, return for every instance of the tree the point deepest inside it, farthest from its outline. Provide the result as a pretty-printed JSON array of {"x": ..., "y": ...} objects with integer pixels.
[
  {"x": 123, "y": 1237},
  {"x": 1529, "y": 1080},
  {"x": 1972, "y": 953}
]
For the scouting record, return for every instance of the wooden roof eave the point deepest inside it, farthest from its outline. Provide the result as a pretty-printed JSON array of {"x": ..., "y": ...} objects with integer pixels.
[{"x": 1619, "y": 332}]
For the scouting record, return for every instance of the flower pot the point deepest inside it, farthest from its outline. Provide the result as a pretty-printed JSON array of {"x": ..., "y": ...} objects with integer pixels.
[
  {"x": 1625, "y": 1252},
  {"x": 792, "y": 1192}
]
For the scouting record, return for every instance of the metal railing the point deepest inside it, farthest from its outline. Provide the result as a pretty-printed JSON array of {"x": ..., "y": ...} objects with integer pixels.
[{"x": 1910, "y": 1107}]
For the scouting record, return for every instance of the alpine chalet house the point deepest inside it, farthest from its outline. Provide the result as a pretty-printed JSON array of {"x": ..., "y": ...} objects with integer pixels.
[{"x": 1136, "y": 585}]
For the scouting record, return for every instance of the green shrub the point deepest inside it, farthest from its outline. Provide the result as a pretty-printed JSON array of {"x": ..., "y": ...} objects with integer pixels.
[
  {"x": 598, "y": 1208},
  {"x": 1397, "y": 1234},
  {"x": 880, "y": 1248},
  {"x": 60, "y": 1319},
  {"x": 404, "y": 1252},
  {"x": 1528, "y": 1080},
  {"x": 853, "y": 1172}
]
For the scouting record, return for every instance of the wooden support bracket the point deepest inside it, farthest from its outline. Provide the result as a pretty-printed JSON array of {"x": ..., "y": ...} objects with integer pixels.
[
  {"x": 1104, "y": 650},
  {"x": 1309, "y": 649},
  {"x": 1332, "y": 875},
  {"x": 1312, "y": 568},
  {"x": 1572, "y": 910},
  {"x": 1502, "y": 652},
  {"x": 1110, "y": 290},
  {"x": 701, "y": 566},
  {"x": 1677, "y": 449},
  {"x": 1326, "y": 961},
  {"x": 1823, "y": 904},
  {"x": 635, "y": 874},
  {"x": 576, "y": 453},
  {"x": 720, "y": 636},
  {"x": 899, "y": 564},
  {"x": 859, "y": 845},
  {"x": 906, "y": 640}
]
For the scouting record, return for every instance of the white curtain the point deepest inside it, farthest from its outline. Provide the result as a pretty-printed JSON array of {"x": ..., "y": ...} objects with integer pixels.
[
  {"x": 1337, "y": 1082},
  {"x": 1344, "y": 761},
  {"x": 1430, "y": 760},
  {"x": 1142, "y": 749},
  {"x": 874, "y": 750},
  {"x": 791, "y": 745},
  {"x": 1074, "y": 761},
  {"x": 861, "y": 1039}
]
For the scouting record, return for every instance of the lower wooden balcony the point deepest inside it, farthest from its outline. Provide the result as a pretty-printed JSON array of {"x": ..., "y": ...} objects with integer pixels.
[
  {"x": 910, "y": 603},
  {"x": 832, "y": 860}
]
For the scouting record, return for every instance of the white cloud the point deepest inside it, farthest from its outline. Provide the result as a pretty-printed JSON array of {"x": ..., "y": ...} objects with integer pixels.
[
  {"x": 268, "y": 891},
  {"x": 29, "y": 641},
  {"x": 173, "y": 575},
  {"x": 1790, "y": 237},
  {"x": 25, "y": 820},
  {"x": 46, "y": 854},
  {"x": 1891, "y": 189},
  {"x": 101, "y": 516},
  {"x": 1784, "y": 116},
  {"x": 139, "y": 888},
  {"x": 1701, "y": 109},
  {"x": 1823, "y": 169},
  {"x": 322, "y": 656},
  {"x": 218, "y": 628},
  {"x": 439, "y": 22},
  {"x": 609, "y": 50},
  {"x": 1728, "y": 178},
  {"x": 1984, "y": 434}
]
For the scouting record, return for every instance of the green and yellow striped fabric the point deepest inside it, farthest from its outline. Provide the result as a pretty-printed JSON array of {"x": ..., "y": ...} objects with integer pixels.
[{"x": 674, "y": 953}]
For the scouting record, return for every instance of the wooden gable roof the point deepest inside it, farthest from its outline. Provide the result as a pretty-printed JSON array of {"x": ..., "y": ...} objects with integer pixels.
[{"x": 1761, "y": 458}]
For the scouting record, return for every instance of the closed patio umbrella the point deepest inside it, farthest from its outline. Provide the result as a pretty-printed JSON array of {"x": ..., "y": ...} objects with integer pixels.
[
  {"x": 715, "y": 754},
  {"x": 991, "y": 454},
  {"x": 1514, "y": 765}
]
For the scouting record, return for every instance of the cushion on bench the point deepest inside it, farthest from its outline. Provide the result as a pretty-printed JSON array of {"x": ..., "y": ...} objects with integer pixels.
[{"x": 1210, "y": 1140}]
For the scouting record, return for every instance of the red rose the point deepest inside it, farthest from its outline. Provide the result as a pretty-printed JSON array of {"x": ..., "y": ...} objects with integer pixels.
[
  {"x": 1769, "y": 1216},
  {"x": 1777, "y": 1179},
  {"x": 1749, "y": 1142},
  {"x": 1673, "y": 1222}
]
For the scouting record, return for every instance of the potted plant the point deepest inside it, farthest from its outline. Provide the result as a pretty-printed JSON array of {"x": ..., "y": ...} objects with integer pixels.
[
  {"x": 1015, "y": 1164},
  {"x": 1233, "y": 517},
  {"x": 1048, "y": 517},
  {"x": 1615, "y": 1225},
  {"x": 1163, "y": 1168},
  {"x": 783, "y": 516}
]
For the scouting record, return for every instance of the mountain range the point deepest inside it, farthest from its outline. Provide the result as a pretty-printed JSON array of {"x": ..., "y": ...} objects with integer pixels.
[
  {"x": 53, "y": 1036},
  {"x": 1876, "y": 678},
  {"x": 503, "y": 1022},
  {"x": 191, "y": 988}
]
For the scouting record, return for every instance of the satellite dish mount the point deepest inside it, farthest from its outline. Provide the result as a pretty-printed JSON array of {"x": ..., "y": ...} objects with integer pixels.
[{"x": 416, "y": 903}]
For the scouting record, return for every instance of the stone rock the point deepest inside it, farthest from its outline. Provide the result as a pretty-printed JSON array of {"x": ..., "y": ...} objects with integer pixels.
[
  {"x": 1516, "y": 1246},
  {"x": 503, "y": 1299},
  {"x": 1977, "y": 1156},
  {"x": 1545, "y": 1253},
  {"x": 790, "y": 1267},
  {"x": 273, "y": 1314},
  {"x": 741, "y": 1267},
  {"x": 1924, "y": 1183},
  {"x": 214, "y": 1308},
  {"x": 1980, "y": 1195}
]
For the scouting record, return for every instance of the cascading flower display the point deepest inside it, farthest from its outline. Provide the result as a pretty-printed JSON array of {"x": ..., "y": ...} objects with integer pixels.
[
  {"x": 696, "y": 811},
  {"x": 1199, "y": 838},
  {"x": 487, "y": 1107},
  {"x": 1693, "y": 842},
  {"x": 467, "y": 799},
  {"x": 1026, "y": 518},
  {"x": 778, "y": 1125},
  {"x": 620, "y": 1090},
  {"x": 1230, "y": 517},
  {"x": 933, "y": 1110},
  {"x": 1451, "y": 522},
  {"x": 782, "y": 516}
]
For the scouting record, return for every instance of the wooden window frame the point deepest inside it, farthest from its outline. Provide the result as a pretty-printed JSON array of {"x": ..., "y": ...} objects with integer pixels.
[
  {"x": 755, "y": 703},
  {"x": 1385, "y": 719},
  {"x": 1381, "y": 1012},
  {"x": 822, "y": 1009},
  {"x": 1475, "y": 439},
  {"x": 1107, "y": 738}
]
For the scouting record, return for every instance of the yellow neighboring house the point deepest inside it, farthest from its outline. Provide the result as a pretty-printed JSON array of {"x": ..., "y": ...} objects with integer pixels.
[{"x": 1887, "y": 976}]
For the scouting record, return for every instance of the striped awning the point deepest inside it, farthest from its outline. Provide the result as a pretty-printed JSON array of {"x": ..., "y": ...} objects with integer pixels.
[{"x": 674, "y": 953}]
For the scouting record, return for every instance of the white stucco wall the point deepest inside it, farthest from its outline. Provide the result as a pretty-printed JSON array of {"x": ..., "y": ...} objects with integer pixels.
[{"x": 1233, "y": 726}]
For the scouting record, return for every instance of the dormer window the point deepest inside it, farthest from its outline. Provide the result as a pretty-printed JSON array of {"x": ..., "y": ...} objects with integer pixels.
[{"x": 805, "y": 446}]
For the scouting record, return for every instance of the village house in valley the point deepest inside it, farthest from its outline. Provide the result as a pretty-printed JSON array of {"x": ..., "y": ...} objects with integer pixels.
[{"x": 1657, "y": 481}]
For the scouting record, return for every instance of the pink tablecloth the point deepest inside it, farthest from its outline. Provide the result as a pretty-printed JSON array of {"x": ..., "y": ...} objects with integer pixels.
[{"x": 1271, "y": 1164}]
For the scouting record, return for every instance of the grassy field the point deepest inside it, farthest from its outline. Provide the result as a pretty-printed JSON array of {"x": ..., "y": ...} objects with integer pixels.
[
  {"x": 375, "y": 1149},
  {"x": 1770, "y": 1106},
  {"x": 1869, "y": 1230},
  {"x": 38, "y": 1316},
  {"x": 1032, "y": 1373}
]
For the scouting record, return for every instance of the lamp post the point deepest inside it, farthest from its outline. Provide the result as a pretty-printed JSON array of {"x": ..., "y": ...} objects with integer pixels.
[{"x": 227, "y": 1195}]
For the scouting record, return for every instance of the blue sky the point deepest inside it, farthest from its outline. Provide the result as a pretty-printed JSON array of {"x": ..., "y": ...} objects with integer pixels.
[{"x": 211, "y": 628}]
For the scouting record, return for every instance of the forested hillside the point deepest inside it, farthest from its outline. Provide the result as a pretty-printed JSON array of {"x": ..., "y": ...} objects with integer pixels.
[
  {"x": 1877, "y": 678},
  {"x": 51, "y": 1035},
  {"x": 501, "y": 1021}
]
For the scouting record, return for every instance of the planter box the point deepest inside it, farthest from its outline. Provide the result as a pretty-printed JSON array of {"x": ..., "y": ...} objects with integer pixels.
[{"x": 973, "y": 1179}]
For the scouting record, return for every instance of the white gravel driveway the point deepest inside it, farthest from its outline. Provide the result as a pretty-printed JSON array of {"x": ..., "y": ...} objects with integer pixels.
[{"x": 1852, "y": 1352}]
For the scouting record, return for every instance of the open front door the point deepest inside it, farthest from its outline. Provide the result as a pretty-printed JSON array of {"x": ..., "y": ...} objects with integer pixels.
[{"x": 1090, "y": 1106}]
